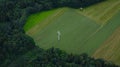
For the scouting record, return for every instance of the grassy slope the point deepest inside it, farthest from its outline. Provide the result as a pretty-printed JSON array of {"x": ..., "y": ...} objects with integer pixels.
[
  {"x": 34, "y": 19},
  {"x": 111, "y": 47}
]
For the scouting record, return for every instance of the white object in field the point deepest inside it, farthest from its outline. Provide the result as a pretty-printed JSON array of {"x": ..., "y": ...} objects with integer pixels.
[
  {"x": 81, "y": 8},
  {"x": 59, "y": 34}
]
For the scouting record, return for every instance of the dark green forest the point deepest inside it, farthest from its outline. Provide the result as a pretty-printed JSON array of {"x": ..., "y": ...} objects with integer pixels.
[{"x": 19, "y": 50}]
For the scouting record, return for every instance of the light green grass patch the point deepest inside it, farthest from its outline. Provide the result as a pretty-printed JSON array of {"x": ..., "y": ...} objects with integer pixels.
[{"x": 34, "y": 19}]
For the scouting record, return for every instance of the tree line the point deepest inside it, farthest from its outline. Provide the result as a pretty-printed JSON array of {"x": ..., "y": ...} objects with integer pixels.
[
  {"x": 54, "y": 57},
  {"x": 14, "y": 43}
]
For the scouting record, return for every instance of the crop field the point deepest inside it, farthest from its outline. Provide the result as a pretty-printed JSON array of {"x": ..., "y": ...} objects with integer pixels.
[
  {"x": 111, "y": 47},
  {"x": 93, "y": 30},
  {"x": 102, "y": 12}
]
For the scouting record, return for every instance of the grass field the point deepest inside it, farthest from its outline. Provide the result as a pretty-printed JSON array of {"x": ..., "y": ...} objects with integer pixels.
[
  {"x": 102, "y": 12},
  {"x": 37, "y": 18},
  {"x": 74, "y": 32},
  {"x": 88, "y": 31},
  {"x": 40, "y": 25},
  {"x": 79, "y": 33}
]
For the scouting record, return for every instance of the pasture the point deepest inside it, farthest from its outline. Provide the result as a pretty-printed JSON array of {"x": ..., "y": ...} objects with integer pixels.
[{"x": 74, "y": 32}]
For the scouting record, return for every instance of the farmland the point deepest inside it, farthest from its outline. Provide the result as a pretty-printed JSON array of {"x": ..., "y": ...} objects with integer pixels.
[
  {"x": 79, "y": 36},
  {"x": 111, "y": 47},
  {"x": 102, "y": 12},
  {"x": 92, "y": 30}
]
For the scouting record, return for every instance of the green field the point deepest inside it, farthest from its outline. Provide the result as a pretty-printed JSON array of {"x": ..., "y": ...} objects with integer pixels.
[
  {"x": 38, "y": 18},
  {"x": 79, "y": 34},
  {"x": 74, "y": 32},
  {"x": 81, "y": 31}
]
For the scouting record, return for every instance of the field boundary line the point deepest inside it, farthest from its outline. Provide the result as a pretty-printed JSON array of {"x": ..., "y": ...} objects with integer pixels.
[
  {"x": 99, "y": 28},
  {"x": 79, "y": 12},
  {"x": 93, "y": 34}
]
